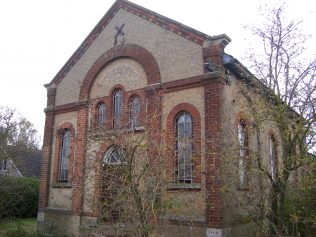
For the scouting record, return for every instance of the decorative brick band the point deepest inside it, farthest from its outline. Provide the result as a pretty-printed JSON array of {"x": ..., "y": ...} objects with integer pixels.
[
  {"x": 167, "y": 87},
  {"x": 132, "y": 51}
]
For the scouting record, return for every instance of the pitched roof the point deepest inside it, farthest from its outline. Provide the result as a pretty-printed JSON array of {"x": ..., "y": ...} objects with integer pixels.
[
  {"x": 28, "y": 162},
  {"x": 164, "y": 22}
]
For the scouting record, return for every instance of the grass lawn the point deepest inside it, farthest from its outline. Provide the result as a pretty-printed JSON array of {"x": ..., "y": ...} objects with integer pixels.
[{"x": 9, "y": 225}]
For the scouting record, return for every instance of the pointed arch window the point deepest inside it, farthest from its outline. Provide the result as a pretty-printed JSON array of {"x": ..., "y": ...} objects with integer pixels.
[
  {"x": 184, "y": 165},
  {"x": 64, "y": 157},
  {"x": 273, "y": 157},
  {"x": 135, "y": 112},
  {"x": 117, "y": 107},
  {"x": 243, "y": 143},
  {"x": 101, "y": 114}
]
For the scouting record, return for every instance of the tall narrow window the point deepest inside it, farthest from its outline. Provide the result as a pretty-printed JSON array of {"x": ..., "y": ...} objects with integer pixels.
[
  {"x": 101, "y": 114},
  {"x": 273, "y": 157},
  {"x": 3, "y": 165},
  {"x": 117, "y": 108},
  {"x": 183, "y": 127},
  {"x": 242, "y": 137},
  {"x": 64, "y": 157},
  {"x": 135, "y": 112}
]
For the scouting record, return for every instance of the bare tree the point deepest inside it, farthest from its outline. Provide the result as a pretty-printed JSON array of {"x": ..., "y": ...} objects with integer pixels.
[
  {"x": 286, "y": 87},
  {"x": 131, "y": 173},
  {"x": 16, "y": 133}
]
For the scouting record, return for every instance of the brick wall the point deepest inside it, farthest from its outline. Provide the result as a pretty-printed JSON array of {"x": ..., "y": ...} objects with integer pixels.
[{"x": 213, "y": 97}]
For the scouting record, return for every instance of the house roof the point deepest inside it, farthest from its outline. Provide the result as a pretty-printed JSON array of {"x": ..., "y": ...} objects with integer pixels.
[
  {"x": 164, "y": 22},
  {"x": 28, "y": 162}
]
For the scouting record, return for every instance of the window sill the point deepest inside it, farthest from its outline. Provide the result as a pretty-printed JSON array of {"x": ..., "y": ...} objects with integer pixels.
[
  {"x": 184, "y": 220},
  {"x": 184, "y": 186},
  {"x": 61, "y": 185},
  {"x": 135, "y": 129},
  {"x": 242, "y": 188},
  {"x": 110, "y": 131},
  {"x": 139, "y": 128}
]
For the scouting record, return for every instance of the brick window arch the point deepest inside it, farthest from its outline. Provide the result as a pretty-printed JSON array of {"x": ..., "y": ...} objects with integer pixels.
[
  {"x": 133, "y": 51},
  {"x": 189, "y": 144},
  {"x": 64, "y": 153}
]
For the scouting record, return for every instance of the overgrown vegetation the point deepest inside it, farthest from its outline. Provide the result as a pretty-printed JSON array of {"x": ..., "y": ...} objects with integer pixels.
[
  {"x": 25, "y": 227},
  {"x": 290, "y": 76},
  {"x": 279, "y": 197},
  {"x": 300, "y": 205},
  {"x": 18, "y": 197},
  {"x": 131, "y": 176}
]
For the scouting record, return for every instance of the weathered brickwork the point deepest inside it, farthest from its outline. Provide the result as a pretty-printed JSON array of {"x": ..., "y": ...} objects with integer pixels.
[
  {"x": 164, "y": 64},
  {"x": 169, "y": 49},
  {"x": 213, "y": 96},
  {"x": 58, "y": 141}
]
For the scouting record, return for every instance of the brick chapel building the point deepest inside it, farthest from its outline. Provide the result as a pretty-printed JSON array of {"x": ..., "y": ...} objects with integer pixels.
[{"x": 131, "y": 56}]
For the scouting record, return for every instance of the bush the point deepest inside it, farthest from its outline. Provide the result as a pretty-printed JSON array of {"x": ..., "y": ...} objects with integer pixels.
[
  {"x": 18, "y": 197},
  {"x": 22, "y": 232},
  {"x": 301, "y": 206}
]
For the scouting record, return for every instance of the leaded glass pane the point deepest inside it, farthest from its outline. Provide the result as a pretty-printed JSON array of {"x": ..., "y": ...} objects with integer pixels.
[
  {"x": 135, "y": 112},
  {"x": 101, "y": 114},
  {"x": 118, "y": 108},
  {"x": 184, "y": 147},
  {"x": 242, "y": 136},
  {"x": 114, "y": 155},
  {"x": 64, "y": 157}
]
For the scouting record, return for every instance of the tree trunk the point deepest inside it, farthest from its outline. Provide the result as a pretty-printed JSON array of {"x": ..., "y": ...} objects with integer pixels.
[{"x": 273, "y": 220}]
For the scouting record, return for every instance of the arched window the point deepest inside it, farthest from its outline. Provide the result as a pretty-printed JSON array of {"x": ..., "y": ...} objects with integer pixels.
[
  {"x": 101, "y": 114},
  {"x": 183, "y": 129},
  {"x": 64, "y": 156},
  {"x": 114, "y": 156},
  {"x": 273, "y": 157},
  {"x": 135, "y": 112},
  {"x": 117, "y": 107},
  {"x": 243, "y": 143}
]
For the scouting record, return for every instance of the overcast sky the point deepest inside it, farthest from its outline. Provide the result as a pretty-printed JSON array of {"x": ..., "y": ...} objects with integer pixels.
[{"x": 39, "y": 36}]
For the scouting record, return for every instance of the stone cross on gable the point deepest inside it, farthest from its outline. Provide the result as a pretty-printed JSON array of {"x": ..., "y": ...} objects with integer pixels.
[{"x": 118, "y": 33}]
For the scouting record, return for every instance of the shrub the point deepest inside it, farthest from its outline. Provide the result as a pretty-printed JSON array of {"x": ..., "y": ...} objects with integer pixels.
[
  {"x": 300, "y": 213},
  {"x": 22, "y": 232},
  {"x": 18, "y": 197}
]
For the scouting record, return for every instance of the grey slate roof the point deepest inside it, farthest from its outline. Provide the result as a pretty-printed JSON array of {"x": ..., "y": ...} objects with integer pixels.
[{"x": 28, "y": 162}]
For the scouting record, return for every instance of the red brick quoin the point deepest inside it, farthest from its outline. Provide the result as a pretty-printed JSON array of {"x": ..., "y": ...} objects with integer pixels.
[{"x": 132, "y": 51}]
